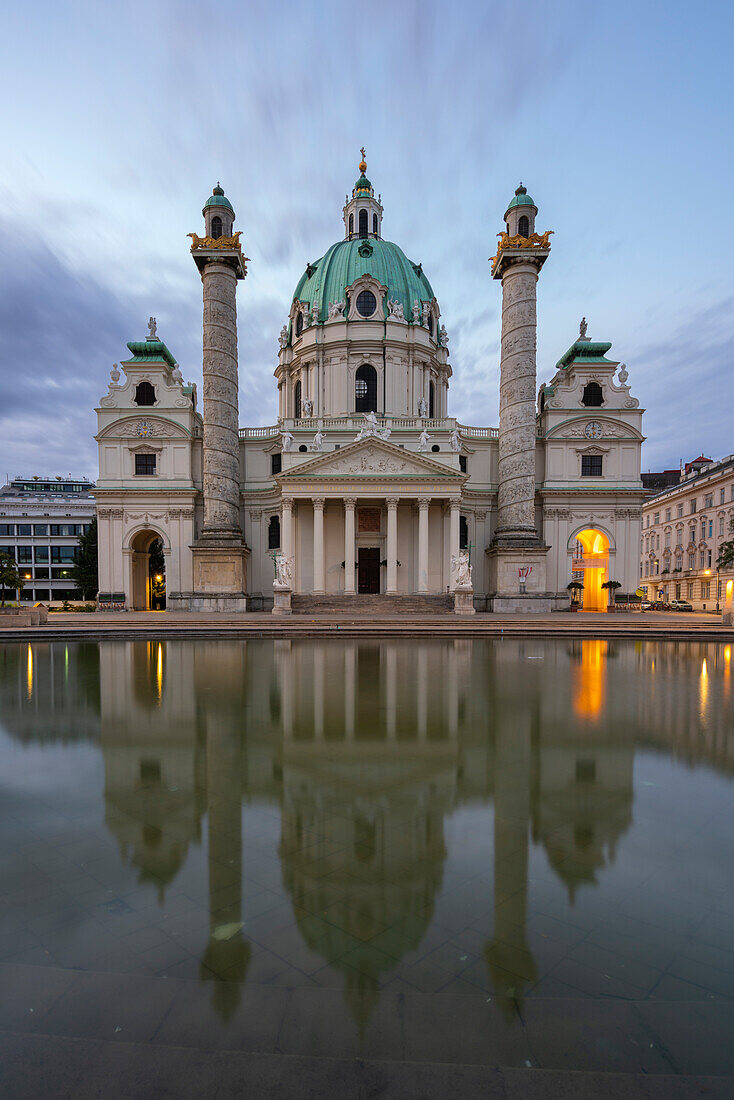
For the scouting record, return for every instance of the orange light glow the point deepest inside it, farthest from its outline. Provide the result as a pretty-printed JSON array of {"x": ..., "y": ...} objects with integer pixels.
[
  {"x": 588, "y": 699},
  {"x": 595, "y": 564},
  {"x": 29, "y": 673}
]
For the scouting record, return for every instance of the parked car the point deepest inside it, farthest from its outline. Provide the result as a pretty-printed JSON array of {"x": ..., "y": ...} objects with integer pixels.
[
  {"x": 681, "y": 605},
  {"x": 645, "y": 606}
]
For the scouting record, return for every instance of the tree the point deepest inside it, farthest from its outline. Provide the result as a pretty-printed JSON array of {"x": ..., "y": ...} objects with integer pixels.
[
  {"x": 611, "y": 587},
  {"x": 575, "y": 588},
  {"x": 10, "y": 576},
  {"x": 725, "y": 559},
  {"x": 84, "y": 571}
]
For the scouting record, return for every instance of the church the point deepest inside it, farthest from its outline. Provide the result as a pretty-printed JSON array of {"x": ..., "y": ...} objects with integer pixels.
[{"x": 366, "y": 486}]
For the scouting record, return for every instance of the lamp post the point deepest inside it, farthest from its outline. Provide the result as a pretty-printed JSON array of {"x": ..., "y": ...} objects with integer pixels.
[{"x": 718, "y": 590}]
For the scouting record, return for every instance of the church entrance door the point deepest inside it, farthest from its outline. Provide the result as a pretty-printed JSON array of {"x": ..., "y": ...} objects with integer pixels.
[{"x": 368, "y": 570}]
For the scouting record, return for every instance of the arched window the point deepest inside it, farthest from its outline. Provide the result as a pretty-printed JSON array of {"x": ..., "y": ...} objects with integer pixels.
[
  {"x": 542, "y": 399},
  {"x": 365, "y": 389},
  {"x": 593, "y": 397},
  {"x": 366, "y": 303},
  {"x": 463, "y": 533},
  {"x": 297, "y": 400},
  {"x": 430, "y": 323},
  {"x": 363, "y": 223},
  {"x": 351, "y": 224},
  {"x": 431, "y": 400},
  {"x": 374, "y": 224},
  {"x": 144, "y": 394},
  {"x": 274, "y": 533},
  {"x": 299, "y": 323},
  {"x": 523, "y": 226},
  {"x": 216, "y": 228}
]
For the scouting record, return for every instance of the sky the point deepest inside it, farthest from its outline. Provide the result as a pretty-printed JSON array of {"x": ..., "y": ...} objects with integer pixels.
[{"x": 120, "y": 118}]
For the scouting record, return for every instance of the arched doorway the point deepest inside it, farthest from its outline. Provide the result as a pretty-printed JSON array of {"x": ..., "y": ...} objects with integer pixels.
[
  {"x": 148, "y": 572},
  {"x": 591, "y": 566}
]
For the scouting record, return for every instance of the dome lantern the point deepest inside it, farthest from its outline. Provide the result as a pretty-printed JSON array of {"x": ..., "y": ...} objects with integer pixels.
[
  {"x": 520, "y": 214},
  {"x": 363, "y": 212},
  {"x": 218, "y": 214}
]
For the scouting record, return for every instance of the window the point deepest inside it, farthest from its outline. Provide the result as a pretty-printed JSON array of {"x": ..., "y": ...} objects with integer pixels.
[
  {"x": 431, "y": 400},
  {"x": 366, "y": 303},
  {"x": 702, "y": 559},
  {"x": 145, "y": 464},
  {"x": 216, "y": 228},
  {"x": 679, "y": 511},
  {"x": 656, "y": 518},
  {"x": 667, "y": 539},
  {"x": 42, "y": 594},
  {"x": 593, "y": 397},
  {"x": 24, "y": 555},
  {"x": 711, "y": 528},
  {"x": 692, "y": 560},
  {"x": 65, "y": 530},
  {"x": 41, "y": 554},
  {"x": 351, "y": 224},
  {"x": 274, "y": 533},
  {"x": 708, "y": 501},
  {"x": 693, "y": 506},
  {"x": 463, "y": 533},
  {"x": 462, "y": 464},
  {"x": 365, "y": 389},
  {"x": 430, "y": 323},
  {"x": 299, "y": 323},
  {"x": 709, "y": 554},
  {"x": 40, "y": 529},
  {"x": 297, "y": 400},
  {"x": 303, "y": 448},
  {"x": 657, "y": 542},
  {"x": 721, "y": 526},
  {"x": 435, "y": 448},
  {"x": 62, "y": 554},
  {"x": 363, "y": 223},
  {"x": 722, "y": 496},
  {"x": 591, "y": 465},
  {"x": 25, "y": 530},
  {"x": 7, "y": 529},
  {"x": 42, "y": 574},
  {"x": 689, "y": 591},
  {"x": 523, "y": 226},
  {"x": 667, "y": 515},
  {"x": 647, "y": 568},
  {"x": 705, "y": 589},
  {"x": 276, "y": 463},
  {"x": 144, "y": 394}
]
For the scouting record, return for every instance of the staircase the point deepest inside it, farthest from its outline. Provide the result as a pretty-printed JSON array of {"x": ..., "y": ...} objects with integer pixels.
[{"x": 372, "y": 607}]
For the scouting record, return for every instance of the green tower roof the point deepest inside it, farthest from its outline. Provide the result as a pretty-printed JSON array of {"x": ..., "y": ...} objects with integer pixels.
[
  {"x": 521, "y": 199},
  {"x": 326, "y": 279},
  {"x": 217, "y": 198},
  {"x": 363, "y": 184}
]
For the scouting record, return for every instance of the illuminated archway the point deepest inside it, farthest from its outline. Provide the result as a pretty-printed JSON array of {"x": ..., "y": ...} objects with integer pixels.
[
  {"x": 148, "y": 571},
  {"x": 591, "y": 561}
]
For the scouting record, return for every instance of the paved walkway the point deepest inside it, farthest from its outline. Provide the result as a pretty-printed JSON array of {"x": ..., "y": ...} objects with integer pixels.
[{"x": 132, "y": 624}]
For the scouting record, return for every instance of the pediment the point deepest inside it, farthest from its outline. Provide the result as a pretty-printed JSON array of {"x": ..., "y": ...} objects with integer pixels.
[
  {"x": 141, "y": 426},
  {"x": 372, "y": 457},
  {"x": 576, "y": 428}
]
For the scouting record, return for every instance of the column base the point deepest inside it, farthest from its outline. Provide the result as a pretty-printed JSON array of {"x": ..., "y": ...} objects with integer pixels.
[
  {"x": 282, "y": 600},
  {"x": 220, "y": 576},
  {"x": 464, "y": 601},
  {"x": 512, "y": 593}
]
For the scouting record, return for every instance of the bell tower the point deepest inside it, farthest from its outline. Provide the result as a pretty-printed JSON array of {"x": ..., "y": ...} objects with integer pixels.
[
  {"x": 363, "y": 212},
  {"x": 219, "y": 554}
]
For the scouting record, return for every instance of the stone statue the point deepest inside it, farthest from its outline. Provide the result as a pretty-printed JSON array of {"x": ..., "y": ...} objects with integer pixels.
[
  {"x": 454, "y": 440},
  {"x": 176, "y": 375},
  {"x": 395, "y": 310},
  {"x": 426, "y": 311},
  {"x": 461, "y": 569},
  {"x": 283, "y": 337},
  {"x": 315, "y": 313},
  {"x": 115, "y": 374},
  {"x": 623, "y": 373},
  {"x": 369, "y": 428},
  {"x": 422, "y": 407},
  {"x": 287, "y": 440},
  {"x": 336, "y": 309},
  {"x": 582, "y": 328},
  {"x": 152, "y": 328},
  {"x": 444, "y": 337},
  {"x": 385, "y": 433},
  {"x": 318, "y": 441},
  {"x": 424, "y": 441},
  {"x": 308, "y": 407},
  {"x": 283, "y": 571},
  {"x": 416, "y": 312}
]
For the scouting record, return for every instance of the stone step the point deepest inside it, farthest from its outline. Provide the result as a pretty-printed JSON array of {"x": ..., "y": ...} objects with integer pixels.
[{"x": 372, "y": 605}]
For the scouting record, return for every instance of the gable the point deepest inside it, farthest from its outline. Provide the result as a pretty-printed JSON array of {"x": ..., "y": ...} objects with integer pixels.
[
  {"x": 143, "y": 427},
  {"x": 371, "y": 458}
]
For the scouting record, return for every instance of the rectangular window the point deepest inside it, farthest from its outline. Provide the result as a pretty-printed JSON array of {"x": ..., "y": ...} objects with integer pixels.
[
  {"x": 7, "y": 529},
  {"x": 692, "y": 560},
  {"x": 667, "y": 539},
  {"x": 705, "y": 589},
  {"x": 462, "y": 463},
  {"x": 145, "y": 464},
  {"x": 656, "y": 518},
  {"x": 679, "y": 511},
  {"x": 702, "y": 559},
  {"x": 693, "y": 506},
  {"x": 721, "y": 526},
  {"x": 722, "y": 496},
  {"x": 42, "y": 594},
  {"x": 40, "y": 529},
  {"x": 711, "y": 528},
  {"x": 24, "y": 555},
  {"x": 61, "y": 554},
  {"x": 276, "y": 463},
  {"x": 42, "y": 574},
  {"x": 591, "y": 465},
  {"x": 59, "y": 574},
  {"x": 708, "y": 500},
  {"x": 42, "y": 554},
  {"x": 667, "y": 515},
  {"x": 25, "y": 530},
  {"x": 690, "y": 592},
  {"x": 657, "y": 542}
]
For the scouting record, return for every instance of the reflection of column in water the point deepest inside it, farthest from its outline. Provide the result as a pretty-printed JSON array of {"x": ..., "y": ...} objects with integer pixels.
[
  {"x": 318, "y": 692},
  {"x": 391, "y": 689},
  {"x": 421, "y": 683},
  {"x": 350, "y": 659},
  {"x": 510, "y": 962},
  {"x": 227, "y": 954},
  {"x": 451, "y": 687},
  {"x": 284, "y": 666}
]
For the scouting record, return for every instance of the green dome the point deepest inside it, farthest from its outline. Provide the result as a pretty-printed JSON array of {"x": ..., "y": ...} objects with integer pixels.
[
  {"x": 326, "y": 280},
  {"x": 363, "y": 184},
  {"x": 217, "y": 198},
  {"x": 521, "y": 199}
]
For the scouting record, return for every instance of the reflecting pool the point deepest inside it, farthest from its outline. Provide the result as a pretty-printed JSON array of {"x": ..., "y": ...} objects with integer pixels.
[{"x": 513, "y": 853}]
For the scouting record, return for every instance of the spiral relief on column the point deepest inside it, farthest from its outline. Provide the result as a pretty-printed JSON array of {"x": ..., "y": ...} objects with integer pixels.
[{"x": 220, "y": 401}]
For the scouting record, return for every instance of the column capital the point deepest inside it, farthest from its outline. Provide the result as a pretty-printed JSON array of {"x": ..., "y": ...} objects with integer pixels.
[
  {"x": 423, "y": 502},
  {"x": 349, "y": 503},
  {"x": 287, "y": 504},
  {"x": 392, "y": 502},
  {"x": 454, "y": 505},
  {"x": 318, "y": 503}
]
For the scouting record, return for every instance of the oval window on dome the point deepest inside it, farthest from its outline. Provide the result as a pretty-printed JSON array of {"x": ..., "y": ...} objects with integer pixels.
[{"x": 366, "y": 303}]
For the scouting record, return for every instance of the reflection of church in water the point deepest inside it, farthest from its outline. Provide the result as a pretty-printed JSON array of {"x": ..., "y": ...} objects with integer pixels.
[{"x": 366, "y": 750}]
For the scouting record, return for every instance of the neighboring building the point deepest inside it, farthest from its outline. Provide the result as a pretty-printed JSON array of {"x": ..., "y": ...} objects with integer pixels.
[
  {"x": 366, "y": 484},
  {"x": 41, "y": 520},
  {"x": 663, "y": 479},
  {"x": 682, "y": 530}
]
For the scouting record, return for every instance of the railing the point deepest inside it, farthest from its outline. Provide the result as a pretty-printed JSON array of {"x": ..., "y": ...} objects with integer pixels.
[
  {"x": 356, "y": 422},
  {"x": 478, "y": 433}
]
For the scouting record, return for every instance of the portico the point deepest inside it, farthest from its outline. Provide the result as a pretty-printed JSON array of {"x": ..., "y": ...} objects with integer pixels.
[{"x": 371, "y": 519}]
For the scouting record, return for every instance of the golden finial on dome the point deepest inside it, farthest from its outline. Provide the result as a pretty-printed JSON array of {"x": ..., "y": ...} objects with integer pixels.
[{"x": 363, "y": 162}]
